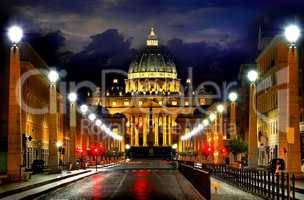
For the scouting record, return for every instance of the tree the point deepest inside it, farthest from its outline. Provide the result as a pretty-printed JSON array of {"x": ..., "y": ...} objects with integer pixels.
[{"x": 236, "y": 146}]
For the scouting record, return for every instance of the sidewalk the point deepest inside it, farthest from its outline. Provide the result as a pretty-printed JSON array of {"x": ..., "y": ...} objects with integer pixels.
[
  {"x": 41, "y": 183},
  {"x": 228, "y": 192},
  {"x": 37, "y": 180}
]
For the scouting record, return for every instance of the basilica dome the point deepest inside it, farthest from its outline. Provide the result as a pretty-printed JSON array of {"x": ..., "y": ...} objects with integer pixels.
[
  {"x": 151, "y": 59},
  {"x": 152, "y": 71}
]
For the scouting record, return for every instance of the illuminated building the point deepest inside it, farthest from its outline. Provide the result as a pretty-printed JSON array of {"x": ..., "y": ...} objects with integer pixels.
[
  {"x": 151, "y": 101},
  {"x": 34, "y": 127},
  {"x": 274, "y": 134}
]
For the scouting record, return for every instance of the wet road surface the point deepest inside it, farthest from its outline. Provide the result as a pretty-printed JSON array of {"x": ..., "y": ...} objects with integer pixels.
[{"x": 138, "y": 180}]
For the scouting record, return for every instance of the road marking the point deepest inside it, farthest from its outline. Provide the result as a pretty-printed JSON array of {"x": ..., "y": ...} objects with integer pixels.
[{"x": 119, "y": 185}]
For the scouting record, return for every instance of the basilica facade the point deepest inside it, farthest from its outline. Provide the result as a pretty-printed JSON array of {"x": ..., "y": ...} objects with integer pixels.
[{"x": 157, "y": 108}]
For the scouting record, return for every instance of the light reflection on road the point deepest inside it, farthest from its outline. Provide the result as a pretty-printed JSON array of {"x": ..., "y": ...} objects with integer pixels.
[{"x": 140, "y": 180}]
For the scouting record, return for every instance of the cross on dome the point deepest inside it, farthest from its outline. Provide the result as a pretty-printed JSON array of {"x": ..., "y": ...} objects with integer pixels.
[{"x": 152, "y": 38}]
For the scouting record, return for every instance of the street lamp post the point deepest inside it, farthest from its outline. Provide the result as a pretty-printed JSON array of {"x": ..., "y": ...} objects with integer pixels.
[
  {"x": 253, "y": 138},
  {"x": 84, "y": 109},
  {"x": 53, "y": 77},
  {"x": 59, "y": 149},
  {"x": 219, "y": 136},
  {"x": 14, "y": 156},
  {"x": 233, "y": 97},
  {"x": 72, "y": 98},
  {"x": 292, "y": 34}
]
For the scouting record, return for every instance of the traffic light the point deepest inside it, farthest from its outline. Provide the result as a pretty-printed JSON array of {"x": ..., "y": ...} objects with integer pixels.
[
  {"x": 207, "y": 150},
  {"x": 96, "y": 150},
  {"x": 224, "y": 151},
  {"x": 79, "y": 150}
]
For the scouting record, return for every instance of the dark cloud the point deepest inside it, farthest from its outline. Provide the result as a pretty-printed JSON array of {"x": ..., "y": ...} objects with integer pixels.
[
  {"x": 107, "y": 50},
  {"x": 214, "y": 36},
  {"x": 48, "y": 45},
  {"x": 208, "y": 62}
]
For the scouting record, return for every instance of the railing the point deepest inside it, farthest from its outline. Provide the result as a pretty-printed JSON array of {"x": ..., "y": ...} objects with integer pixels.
[
  {"x": 199, "y": 179},
  {"x": 259, "y": 182}
]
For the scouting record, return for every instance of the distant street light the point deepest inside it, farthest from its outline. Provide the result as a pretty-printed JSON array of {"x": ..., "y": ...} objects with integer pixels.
[
  {"x": 58, "y": 144},
  {"x": 292, "y": 33},
  {"x": 72, "y": 97},
  {"x": 252, "y": 76},
  {"x": 98, "y": 122},
  {"x": 53, "y": 76},
  {"x": 15, "y": 34},
  {"x": 205, "y": 122},
  {"x": 128, "y": 146},
  {"x": 84, "y": 109},
  {"x": 220, "y": 108},
  {"x": 212, "y": 117},
  {"x": 92, "y": 117},
  {"x": 233, "y": 96}
]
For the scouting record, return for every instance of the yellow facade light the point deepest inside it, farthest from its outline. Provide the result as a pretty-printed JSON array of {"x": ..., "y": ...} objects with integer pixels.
[{"x": 126, "y": 103}]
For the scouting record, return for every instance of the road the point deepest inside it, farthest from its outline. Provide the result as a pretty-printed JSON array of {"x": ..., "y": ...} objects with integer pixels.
[{"x": 138, "y": 180}]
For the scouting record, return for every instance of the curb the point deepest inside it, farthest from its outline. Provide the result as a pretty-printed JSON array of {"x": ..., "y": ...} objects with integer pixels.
[
  {"x": 22, "y": 189},
  {"x": 34, "y": 195},
  {"x": 84, "y": 174}
]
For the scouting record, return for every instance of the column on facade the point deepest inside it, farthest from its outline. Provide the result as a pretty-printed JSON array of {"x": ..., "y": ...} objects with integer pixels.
[
  {"x": 145, "y": 128},
  {"x": 186, "y": 142},
  {"x": 156, "y": 143},
  {"x": 115, "y": 142},
  {"x": 131, "y": 129},
  {"x": 136, "y": 131},
  {"x": 169, "y": 130},
  {"x": 180, "y": 144},
  {"x": 123, "y": 134},
  {"x": 164, "y": 116}
]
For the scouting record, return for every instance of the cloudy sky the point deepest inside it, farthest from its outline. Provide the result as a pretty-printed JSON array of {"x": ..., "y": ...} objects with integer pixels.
[{"x": 212, "y": 36}]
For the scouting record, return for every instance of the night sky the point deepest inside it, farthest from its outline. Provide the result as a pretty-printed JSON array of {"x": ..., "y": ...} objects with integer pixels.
[{"x": 85, "y": 36}]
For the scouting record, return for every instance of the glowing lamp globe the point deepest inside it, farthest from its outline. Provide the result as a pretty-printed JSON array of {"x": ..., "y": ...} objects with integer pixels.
[
  {"x": 92, "y": 117},
  {"x": 233, "y": 96},
  {"x": 15, "y": 34},
  {"x": 292, "y": 33},
  {"x": 58, "y": 144},
  {"x": 128, "y": 146},
  {"x": 84, "y": 109},
  {"x": 212, "y": 117},
  {"x": 72, "y": 97},
  {"x": 252, "y": 76},
  {"x": 220, "y": 108},
  {"x": 174, "y": 146},
  {"x": 98, "y": 122},
  {"x": 53, "y": 76},
  {"x": 205, "y": 122}
]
